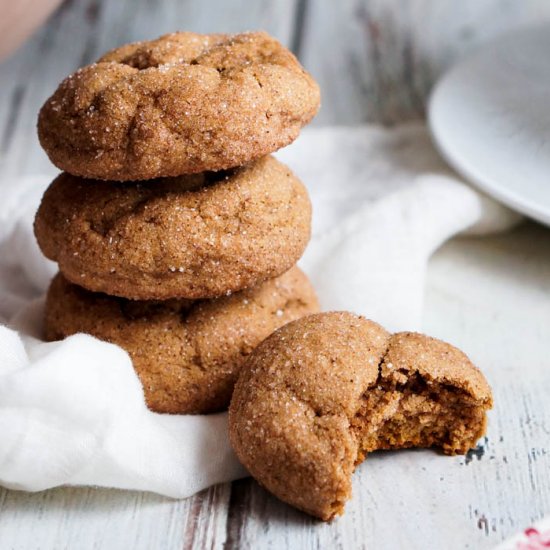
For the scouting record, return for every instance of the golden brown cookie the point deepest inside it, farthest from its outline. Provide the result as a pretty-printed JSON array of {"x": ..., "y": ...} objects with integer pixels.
[
  {"x": 187, "y": 354},
  {"x": 197, "y": 236},
  {"x": 184, "y": 103},
  {"x": 320, "y": 393}
]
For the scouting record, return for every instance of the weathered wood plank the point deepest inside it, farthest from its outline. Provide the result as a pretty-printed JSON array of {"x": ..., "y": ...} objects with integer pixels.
[
  {"x": 98, "y": 518},
  {"x": 376, "y": 60}
]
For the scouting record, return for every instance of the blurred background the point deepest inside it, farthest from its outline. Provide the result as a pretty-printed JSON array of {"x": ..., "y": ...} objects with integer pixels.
[{"x": 375, "y": 60}]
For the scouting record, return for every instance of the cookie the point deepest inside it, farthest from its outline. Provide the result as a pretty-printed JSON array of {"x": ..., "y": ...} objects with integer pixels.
[
  {"x": 186, "y": 353},
  {"x": 184, "y": 103},
  {"x": 197, "y": 236},
  {"x": 322, "y": 392}
]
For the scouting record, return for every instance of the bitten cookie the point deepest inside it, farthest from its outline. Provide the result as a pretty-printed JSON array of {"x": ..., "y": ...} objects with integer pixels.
[
  {"x": 187, "y": 354},
  {"x": 197, "y": 236},
  {"x": 320, "y": 393},
  {"x": 184, "y": 103}
]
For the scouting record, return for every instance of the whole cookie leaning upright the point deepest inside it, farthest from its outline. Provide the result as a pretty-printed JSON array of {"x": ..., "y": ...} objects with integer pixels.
[
  {"x": 181, "y": 104},
  {"x": 322, "y": 392}
]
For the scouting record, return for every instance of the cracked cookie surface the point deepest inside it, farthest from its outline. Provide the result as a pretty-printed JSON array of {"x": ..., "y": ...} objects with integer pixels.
[
  {"x": 322, "y": 392},
  {"x": 187, "y": 354},
  {"x": 197, "y": 236},
  {"x": 184, "y": 103}
]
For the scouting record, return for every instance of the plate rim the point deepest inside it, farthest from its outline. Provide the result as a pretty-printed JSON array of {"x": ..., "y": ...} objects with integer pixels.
[{"x": 461, "y": 165}]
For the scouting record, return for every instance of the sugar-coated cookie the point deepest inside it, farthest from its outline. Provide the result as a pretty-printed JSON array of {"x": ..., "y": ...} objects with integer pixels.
[
  {"x": 184, "y": 103},
  {"x": 187, "y": 354},
  {"x": 321, "y": 392},
  {"x": 197, "y": 236}
]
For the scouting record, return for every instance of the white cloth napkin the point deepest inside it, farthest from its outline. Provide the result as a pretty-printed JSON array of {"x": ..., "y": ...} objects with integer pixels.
[{"x": 73, "y": 413}]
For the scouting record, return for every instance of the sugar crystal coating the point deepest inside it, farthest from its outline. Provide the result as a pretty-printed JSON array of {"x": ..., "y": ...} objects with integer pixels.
[
  {"x": 196, "y": 236},
  {"x": 184, "y": 103}
]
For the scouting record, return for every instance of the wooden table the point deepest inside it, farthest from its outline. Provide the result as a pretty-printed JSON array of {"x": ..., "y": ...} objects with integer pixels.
[{"x": 375, "y": 61}]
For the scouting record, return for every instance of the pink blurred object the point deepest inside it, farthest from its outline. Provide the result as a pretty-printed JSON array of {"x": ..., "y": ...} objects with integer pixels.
[
  {"x": 535, "y": 537},
  {"x": 20, "y": 18},
  {"x": 535, "y": 540}
]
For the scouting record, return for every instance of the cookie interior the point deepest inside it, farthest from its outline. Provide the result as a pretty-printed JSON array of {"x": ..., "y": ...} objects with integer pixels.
[
  {"x": 417, "y": 412},
  {"x": 426, "y": 395}
]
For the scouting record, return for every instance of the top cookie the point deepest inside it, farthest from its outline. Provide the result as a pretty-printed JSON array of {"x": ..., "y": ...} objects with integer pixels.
[{"x": 184, "y": 103}]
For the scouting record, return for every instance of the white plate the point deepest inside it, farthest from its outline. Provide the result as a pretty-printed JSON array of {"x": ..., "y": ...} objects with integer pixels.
[{"x": 490, "y": 118}]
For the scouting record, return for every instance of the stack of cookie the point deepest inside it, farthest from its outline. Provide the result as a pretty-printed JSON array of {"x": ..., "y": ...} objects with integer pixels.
[{"x": 175, "y": 232}]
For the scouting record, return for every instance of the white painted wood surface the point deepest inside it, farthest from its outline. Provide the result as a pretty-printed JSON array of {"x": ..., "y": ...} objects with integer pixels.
[{"x": 375, "y": 60}]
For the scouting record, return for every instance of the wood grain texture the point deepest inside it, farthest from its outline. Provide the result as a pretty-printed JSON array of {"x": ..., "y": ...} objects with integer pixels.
[{"x": 376, "y": 61}]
